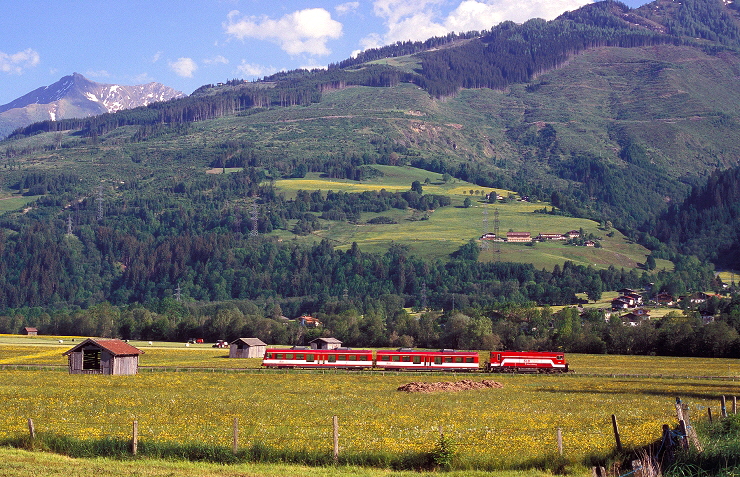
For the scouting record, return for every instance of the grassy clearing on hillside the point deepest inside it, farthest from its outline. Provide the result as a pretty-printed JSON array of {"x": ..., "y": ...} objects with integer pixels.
[
  {"x": 450, "y": 227},
  {"x": 8, "y": 204}
]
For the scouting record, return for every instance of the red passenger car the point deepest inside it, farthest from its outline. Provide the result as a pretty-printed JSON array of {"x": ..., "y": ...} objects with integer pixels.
[
  {"x": 527, "y": 361},
  {"x": 302, "y": 357},
  {"x": 444, "y": 359}
]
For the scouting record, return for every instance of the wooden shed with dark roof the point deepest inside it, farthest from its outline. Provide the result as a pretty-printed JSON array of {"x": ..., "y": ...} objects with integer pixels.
[
  {"x": 325, "y": 343},
  {"x": 99, "y": 356},
  {"x": 247, "y": 348}
]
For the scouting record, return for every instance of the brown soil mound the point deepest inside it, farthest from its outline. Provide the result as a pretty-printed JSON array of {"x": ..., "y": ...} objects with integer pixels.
[{"x": 464, "y": 385}]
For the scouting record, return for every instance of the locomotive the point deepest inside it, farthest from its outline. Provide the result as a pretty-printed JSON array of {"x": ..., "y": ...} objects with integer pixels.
[
  {"x": 405, "y": 359},
  {"x": 527, "y": 361}
]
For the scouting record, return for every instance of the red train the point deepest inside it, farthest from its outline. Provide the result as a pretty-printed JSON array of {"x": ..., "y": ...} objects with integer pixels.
[
  {"x": 527, "y": 361},
  {"x": 414, "y": 360}
]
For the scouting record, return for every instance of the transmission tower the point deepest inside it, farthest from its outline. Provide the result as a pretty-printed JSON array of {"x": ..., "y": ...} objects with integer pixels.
[
  {"x": 496, "y": 240},
  {"x": 424, "y": 296},
  {"x": 69, "y": 224},
  {"x": 254, "y": 232},
  {"x": 100, "y": 203},
  {"x": 484, "y": 241},
  {"x": 178, "y": 293}
]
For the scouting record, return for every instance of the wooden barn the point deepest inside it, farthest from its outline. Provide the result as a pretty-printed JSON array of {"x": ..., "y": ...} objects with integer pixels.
[
  {"x": 103, "y": 356},
  {"x": 30, "y": 331},
  {"x": 247, "y": 348},
  {"x": 325, "y": 343}
]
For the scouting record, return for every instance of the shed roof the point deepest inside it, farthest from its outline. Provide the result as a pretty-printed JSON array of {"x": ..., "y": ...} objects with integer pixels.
[
  {"x": 115, "y": 347},
  {"x": 327, "y": 340},
  {"x": 30, "y": 329},
  {"x": 250, "y": 341}
]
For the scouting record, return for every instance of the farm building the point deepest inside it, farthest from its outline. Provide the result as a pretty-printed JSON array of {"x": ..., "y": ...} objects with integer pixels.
[
  {"x": 247, "y": 348},
  {"x": 518, "y": 237},
  {"x": 98, "y": 356},
  {"x": 30, "y": 331},
  {"x": 325, "y": 343}
]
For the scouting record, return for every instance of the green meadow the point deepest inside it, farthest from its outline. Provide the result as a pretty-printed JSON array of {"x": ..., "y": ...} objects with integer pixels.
[{"x": 438, "y": 233}]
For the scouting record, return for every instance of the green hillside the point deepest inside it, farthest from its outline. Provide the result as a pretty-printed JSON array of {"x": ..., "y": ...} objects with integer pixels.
[{"x": 606, "y": 115}]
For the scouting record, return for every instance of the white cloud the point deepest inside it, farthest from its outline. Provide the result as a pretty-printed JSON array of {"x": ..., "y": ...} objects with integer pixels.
[
  {"x": 16, "y": 63},
  {"x": 254, "y": 70},
  {"x": 218, "y": 59},
  {"x": 421, "y": 19},
  {"x": 184, "y": 67},
  {"x": 346, "y": 8},
  {"x": 484, "y": 14},
  {"x": 157, "y": 56},
  {"x": 303, "y": 31}
]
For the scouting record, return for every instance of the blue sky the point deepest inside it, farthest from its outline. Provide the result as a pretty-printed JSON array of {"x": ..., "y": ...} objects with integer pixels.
[{"x": 187, "y": 43}]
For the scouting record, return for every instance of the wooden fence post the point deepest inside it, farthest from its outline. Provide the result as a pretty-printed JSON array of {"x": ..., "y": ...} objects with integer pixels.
[
  {"x": 31, "y": 428},
  {"x": 616, "y": 433},
  {"x": 684, "y": 434},
  {"x": 336, "y": 438},
  {"x": 135, "y": 437},
  {"x": 235, "y": 443},
  {"x": 734, "y": 404},
  {"x": 560, "y": 441},
  {"x": 709, "y": 413},
  {"x": 724, "y": 407}
]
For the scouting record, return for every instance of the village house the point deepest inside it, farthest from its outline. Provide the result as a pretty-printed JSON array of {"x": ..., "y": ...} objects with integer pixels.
[
  {"x": 309, "y": 321},
  {"x": 665, "y": 299},
  {"x": 544, "y": 237},
  {"x": 103, "y": 356},
  {"x": 572, "y": 234},
  {"x": 519, "y": 237},
  {"x": 488, "y": 236},
  {"x": 30, "y": 331},
  {"x": 636, "y": 317},
  {"x": 247, "y": 348}
]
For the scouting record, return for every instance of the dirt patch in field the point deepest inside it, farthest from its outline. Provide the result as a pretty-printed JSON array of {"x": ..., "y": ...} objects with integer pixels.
[{"x": 464, "y": 385}]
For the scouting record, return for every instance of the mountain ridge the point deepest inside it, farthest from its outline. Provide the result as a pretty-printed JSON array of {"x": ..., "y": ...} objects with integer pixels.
[{"x": 76, "y": 96}]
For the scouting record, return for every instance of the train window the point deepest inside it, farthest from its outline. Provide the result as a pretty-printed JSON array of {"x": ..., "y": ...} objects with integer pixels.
[
  {"x": 289, "y": 356},
  {"x": 342, "y": 357},
  {"x": 383, "y": 358},
  {"x": 300, "y": 356},
  {"x": 366, "y": 358},
  {"x": 417, "y": 359},
  {"x": 353, "y": 357},
  {"x": 279, "y": 356},
  {"x": 559, "y": 357},
  {"x": 498, "y": 357},
  {"x": 268, "y": 356},
  {"x": 309, "y": 358},
  {"x": 458, "y": 359},
  {"x": 395, "y": 358},
  {"x": 448, "y": 359},
  {"x": 437, "y": 360},
  {"x": 332, "y": 358},
  {"x": 469, "y": 360},
  {"x": 406, "y": 359}
]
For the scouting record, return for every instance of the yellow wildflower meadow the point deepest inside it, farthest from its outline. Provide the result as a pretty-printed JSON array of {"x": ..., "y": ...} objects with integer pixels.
[{"x": 294, "y": 410}]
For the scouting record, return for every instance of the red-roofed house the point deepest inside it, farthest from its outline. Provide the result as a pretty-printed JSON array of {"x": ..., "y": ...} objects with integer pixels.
[
  {"x": 518, "y": 237},
  {"x": 103, "y": 356}
]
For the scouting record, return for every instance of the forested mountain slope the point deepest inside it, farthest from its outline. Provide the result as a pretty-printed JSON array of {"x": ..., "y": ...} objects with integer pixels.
[{"x": 608, "y": 113}]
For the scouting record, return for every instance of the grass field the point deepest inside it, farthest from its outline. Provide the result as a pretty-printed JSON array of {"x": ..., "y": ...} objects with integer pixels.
[
  {"x": 199, "y": 406},
  {"x": 21, "y": 463},
  {"x": 450, "y": 227}
]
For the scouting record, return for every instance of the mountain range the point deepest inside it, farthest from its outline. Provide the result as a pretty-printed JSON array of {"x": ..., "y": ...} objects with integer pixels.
[{"x": 75, "y": 96}]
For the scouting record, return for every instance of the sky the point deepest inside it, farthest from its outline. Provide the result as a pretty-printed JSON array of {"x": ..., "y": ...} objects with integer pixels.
[{"x": 185, "y": 44}]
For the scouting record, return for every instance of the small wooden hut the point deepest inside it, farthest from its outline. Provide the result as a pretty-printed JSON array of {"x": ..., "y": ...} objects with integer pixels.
[
  {"x": 98, "y": 356},
  {"x": 247, "y": 348},
  {"x": 30, "y": 331},
  {"x": 325, "y": 343}
]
